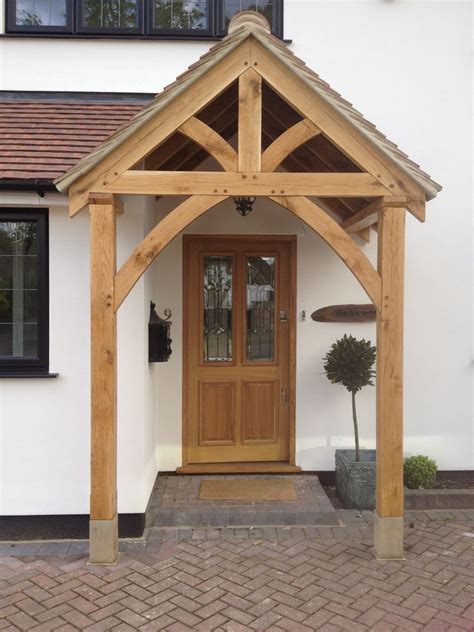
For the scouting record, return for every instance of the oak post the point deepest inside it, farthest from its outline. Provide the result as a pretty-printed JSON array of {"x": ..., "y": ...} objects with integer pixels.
[
  {"x": 103, "y": 499},
  {"x": 388, "y": 525}
]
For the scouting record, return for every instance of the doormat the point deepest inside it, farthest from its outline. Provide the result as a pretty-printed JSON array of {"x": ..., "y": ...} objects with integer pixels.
[{"x": 247, "y": 489}]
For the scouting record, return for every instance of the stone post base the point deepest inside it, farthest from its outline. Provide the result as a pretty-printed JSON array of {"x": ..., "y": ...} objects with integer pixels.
[
  {"x": 103, "y": 541},
  {"x": 388, "y": 538}
]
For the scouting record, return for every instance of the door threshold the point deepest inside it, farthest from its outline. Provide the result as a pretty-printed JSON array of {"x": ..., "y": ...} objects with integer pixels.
[{"x": 258, "y": 467}]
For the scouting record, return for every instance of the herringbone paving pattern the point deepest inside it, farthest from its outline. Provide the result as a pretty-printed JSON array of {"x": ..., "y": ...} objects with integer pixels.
[{"x": 292, "y": 579}]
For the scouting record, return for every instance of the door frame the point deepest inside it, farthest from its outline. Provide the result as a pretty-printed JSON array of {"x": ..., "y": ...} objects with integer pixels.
[{"x": 239, "y": 467}]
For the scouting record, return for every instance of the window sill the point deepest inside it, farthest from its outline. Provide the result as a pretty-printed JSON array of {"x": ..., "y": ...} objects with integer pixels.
[
  {"x": 28, "y": 374},
  {"x": 111, "y": 36}
]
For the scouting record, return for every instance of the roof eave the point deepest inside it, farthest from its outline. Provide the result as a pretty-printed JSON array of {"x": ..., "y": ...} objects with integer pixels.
[
  {"x": 429, "y": 186},
  {"x": 204, "y": 65},
  {"x": 64, "y": 182}
]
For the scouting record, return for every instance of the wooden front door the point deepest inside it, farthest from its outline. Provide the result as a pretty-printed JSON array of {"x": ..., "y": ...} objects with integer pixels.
[{"x": 239, "y": 343}]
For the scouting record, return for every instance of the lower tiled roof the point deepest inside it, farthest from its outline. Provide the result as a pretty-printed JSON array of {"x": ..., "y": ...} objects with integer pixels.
[{"x": 41, "y": 138}]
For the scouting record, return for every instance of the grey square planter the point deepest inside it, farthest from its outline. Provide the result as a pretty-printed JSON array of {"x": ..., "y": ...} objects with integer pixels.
[{"x": 355, "y": 482}]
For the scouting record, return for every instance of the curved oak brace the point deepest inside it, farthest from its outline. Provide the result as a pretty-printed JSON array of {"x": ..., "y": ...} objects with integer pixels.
[
  {"x": 211, "y": 141},
  {"x": 287, "y": 142},
  {"x": 192, "y": 208},
  {"x": 157, "y": 239},
  {"x": 337, "y": 238}
]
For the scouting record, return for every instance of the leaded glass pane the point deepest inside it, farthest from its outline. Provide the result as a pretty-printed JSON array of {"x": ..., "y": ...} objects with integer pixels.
[
  {"x": 179, "y": 15},
  {"x": 19, "y": 289},
  {"x": 260, "y": 308},
  {"x": 231, "y": 7},
  {"x": 110, "y": 14},
  {"x": 40, "y": 13},
  {"x": 217, "y": 309}
]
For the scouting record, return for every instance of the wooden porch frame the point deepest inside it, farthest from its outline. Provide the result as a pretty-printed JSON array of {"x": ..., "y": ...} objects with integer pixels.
[{"x": 248, "y": 171}]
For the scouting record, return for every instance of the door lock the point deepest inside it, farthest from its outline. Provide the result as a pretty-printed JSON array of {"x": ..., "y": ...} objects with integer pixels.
[
  {"x": 284, "y": 395},
  {"x": 283, "y": 316}
]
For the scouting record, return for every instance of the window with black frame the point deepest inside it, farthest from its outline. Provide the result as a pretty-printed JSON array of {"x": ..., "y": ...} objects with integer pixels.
[
  {"x": 165, "y": 18},
  {"x": 24, "y": 299},
  {"x": 37, "y": 16},
  {"x": 114, "y": 16},
  {"x": 173, "y": 16},
  {"x": 266, "y": 7}
]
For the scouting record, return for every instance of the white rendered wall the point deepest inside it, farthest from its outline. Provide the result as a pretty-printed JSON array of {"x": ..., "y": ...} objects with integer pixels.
[
  {"x": 137, "y": 462},
  {"x": 44, "y": 423},
  {"x": 407, "y": 66}
]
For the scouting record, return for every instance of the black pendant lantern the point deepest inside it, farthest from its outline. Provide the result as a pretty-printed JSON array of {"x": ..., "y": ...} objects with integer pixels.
[{"x": 244, "y": 205}]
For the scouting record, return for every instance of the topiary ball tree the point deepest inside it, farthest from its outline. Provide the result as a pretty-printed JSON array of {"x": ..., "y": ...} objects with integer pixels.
[{"x": 350, "y": 362}]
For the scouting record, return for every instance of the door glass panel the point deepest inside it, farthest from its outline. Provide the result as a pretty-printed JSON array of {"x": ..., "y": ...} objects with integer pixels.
[
  {"x": 217, "y": 332},
  {"x": 260, "y": 308}
]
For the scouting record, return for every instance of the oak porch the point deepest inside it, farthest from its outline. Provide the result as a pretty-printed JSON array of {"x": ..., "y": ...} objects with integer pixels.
[{"x": 372, "y": 191}]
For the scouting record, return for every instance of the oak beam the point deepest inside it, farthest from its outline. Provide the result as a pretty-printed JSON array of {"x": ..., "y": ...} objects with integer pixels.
[
  {"x": 301, "y": 95},
  {"x": 219, "y": 109},
  {"x": 306, "y": 157},
  {"x": 103, "y": 497},
  {"x": 287, "y": 142},
  {"x": 250, "y": 121},
  {"x": 388, "y": 530},
  {"x": 337, "y": 238},
  {"x": 369, "y": 215},
  {"x": 156, "y": 240},
  {"x": 247, "y": 183},
  {"x": 211, "y": 141},
  {"x": 364, "y": 234},
  {"x": 160, "y": 126}
]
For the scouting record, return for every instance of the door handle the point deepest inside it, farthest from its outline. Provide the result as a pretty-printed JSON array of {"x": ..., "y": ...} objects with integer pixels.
[{"x": 284, "y": 395}]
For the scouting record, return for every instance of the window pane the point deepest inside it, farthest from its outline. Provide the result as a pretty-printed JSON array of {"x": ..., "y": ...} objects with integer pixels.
[
  {"x": 179, "y": 15},
  {"x": 19, "y": 289},
  {"x": 217, "y": 275},
  {"x": 30, "y": 272},
  {"x": 260, "y": 308},
  {"x": 110, "y": 14},
  {"x": 18, "y": 306},
  {"x": 231, "y": 7},
  {"x": 41, "y": 12}
]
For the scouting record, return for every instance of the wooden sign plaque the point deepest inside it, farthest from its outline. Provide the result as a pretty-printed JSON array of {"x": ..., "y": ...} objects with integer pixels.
[{"x": 345, "y": 314}]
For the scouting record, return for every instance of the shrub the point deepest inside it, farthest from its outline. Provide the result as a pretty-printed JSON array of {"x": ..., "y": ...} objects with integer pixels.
[
  {"x": 350, "y": 362},
  {"x": 419, "y": 472}
]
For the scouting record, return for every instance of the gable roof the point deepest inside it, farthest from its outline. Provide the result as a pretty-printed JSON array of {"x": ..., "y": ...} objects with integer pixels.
[
  {"x": 243, "y": 26},
  {"x": 42, "y": 135}
]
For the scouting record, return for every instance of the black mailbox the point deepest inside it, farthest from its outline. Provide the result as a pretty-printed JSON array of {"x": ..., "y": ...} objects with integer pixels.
[{"x": 159, "y": 341}]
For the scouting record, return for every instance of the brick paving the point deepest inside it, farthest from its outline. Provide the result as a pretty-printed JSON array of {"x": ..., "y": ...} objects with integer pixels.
[
  {"x": 175, "y": 502},
  {"x": 236, "y": 579}
]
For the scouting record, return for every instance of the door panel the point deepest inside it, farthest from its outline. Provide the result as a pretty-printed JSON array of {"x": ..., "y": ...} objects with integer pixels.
[
  {"x": 217, "y": 413},
  {"x": 259, "y": 412},
  {"x": 237, "y": 349}
]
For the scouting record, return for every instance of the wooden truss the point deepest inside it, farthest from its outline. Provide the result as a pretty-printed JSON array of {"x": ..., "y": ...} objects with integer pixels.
[{"x": 249, "y": 170}]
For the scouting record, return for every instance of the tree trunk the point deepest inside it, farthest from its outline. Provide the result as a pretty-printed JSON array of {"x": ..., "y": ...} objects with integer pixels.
[{"x": 356, "y": 427}]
